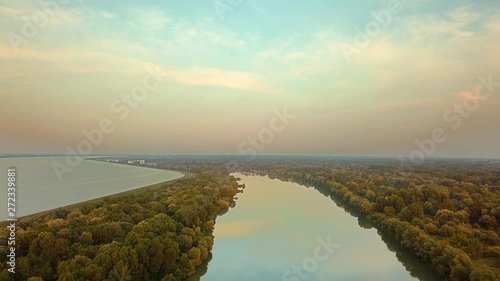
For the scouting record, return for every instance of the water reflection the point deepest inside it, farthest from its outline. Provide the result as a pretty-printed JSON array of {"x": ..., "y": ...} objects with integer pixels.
[
  {"x": 275, "y": 228},
  {"x": 201, "y": 270}
]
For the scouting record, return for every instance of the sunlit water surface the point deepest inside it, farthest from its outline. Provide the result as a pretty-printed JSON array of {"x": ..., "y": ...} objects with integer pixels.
[{"x": 276, "y": 226}]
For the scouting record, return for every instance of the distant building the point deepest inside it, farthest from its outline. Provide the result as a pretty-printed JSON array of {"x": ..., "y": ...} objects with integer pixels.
[{"x": 140, "y": 162}]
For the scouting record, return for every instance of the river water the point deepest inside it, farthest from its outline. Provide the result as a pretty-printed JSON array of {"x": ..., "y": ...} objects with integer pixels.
[
  {"x": 285, "y": 231},
  {"x": 39, "y": 189}
]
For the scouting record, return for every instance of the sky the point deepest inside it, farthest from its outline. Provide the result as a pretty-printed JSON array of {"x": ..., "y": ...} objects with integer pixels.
[{"x": 251, "y": 77}]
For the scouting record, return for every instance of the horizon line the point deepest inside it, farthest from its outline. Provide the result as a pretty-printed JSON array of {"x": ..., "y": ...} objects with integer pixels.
[{"x": 8, "y": 155}]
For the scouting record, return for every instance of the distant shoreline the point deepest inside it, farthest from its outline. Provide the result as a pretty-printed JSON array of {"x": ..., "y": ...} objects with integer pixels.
[{"x": 71, "y": 206}]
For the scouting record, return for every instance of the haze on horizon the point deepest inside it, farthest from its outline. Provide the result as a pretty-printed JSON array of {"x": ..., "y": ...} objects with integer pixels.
[{"x": 218, "y": 81}]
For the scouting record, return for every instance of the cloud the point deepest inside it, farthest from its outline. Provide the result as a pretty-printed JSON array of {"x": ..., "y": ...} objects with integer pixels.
[
  {"x": 221, "y": 78},
  {"x": 205, "y": 33},
  {"x": 58, "y": 15},
  {"x": 148, "y": 19},
  {"x": 9, "y": 11},
  {"x": 415, "y": 66},
  {"x": 67, "y": 18},
  {"x": 34, "y": 62},
  {"x": 106, "y": 15},
  {"x": 466, "y": 95},
  {"x": 403, "y": 106}
]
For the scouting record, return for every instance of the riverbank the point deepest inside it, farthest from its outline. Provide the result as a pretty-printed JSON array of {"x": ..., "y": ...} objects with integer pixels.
[
  {"x": 377, "y": 221},
  {"x": 163, "y": 231},
  {"x": 269, "y": 237},
  {"x": 128, "y": 192},
  {"x": 447, "y": 235},
  {"x": 39, "y": 189}
]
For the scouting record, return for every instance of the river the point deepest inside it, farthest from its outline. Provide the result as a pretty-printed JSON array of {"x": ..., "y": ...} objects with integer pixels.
[
  {"x": 39, "y": 189},
  {"x": 285, "y": 231}
]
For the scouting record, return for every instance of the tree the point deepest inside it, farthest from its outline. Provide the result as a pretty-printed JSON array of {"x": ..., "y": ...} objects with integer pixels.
[
  {"x": 389, "y": 211},
  {"x": 366, "y": 207},
  {"x": 195, "y": 256},
  {"x": 86, "y": 238},
  {"x": 66, "y": 276},
  {"x": 483, "y": 273},
  {"x": 120, "y": 272},
  {"x": 156, "y": 254},
  {"x": 459, "y": 273},
  {"x": 430, "y": 228},
  {"x": 397, "y": 202},
  {"x": 185, "y": 265},
  {"x": 447, "y": 230},
  {"x": 476, "y": 248}
]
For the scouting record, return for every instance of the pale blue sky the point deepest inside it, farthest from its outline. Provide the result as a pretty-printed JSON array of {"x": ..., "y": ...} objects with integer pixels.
[{"x": 222, "y": 77}]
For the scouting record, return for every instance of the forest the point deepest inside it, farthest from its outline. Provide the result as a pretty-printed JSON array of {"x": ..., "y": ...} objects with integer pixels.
[
  {"x": 161, "y": 232},
  {"x": 446, "y": 212}
]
